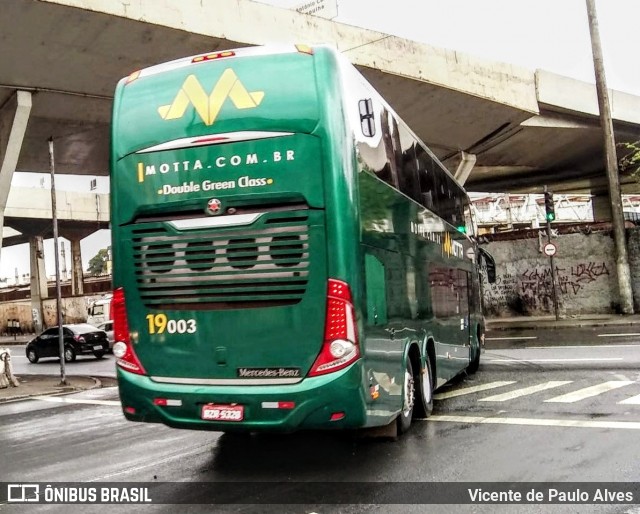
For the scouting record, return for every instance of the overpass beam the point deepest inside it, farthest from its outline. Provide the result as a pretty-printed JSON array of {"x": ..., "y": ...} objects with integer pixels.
[
  {"x": 467, "y": 162},
  {"x": 39, "y": 287},
  {"x": 77, "y": 278},
  {"x": 14, "y": 116}
]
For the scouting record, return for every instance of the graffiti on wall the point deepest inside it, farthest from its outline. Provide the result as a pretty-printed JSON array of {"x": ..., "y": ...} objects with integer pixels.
[{"x": 532, "y": 290}]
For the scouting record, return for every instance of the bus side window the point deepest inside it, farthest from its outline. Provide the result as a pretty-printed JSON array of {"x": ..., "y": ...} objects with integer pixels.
[
  {"x": 427, "y": 182},
  {"x": 376, "y": 291}
]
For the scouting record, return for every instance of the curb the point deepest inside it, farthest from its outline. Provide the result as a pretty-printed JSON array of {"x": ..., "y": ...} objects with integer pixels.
[
  {"x": 64, "y": 390},
  {"x": 562, "y": 326}
]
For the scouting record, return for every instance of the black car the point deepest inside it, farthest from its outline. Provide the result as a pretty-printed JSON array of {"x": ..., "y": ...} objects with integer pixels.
[{"x": 78, "y": 340}]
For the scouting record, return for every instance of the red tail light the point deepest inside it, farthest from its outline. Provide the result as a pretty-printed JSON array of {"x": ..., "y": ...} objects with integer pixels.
[
  {"x": 340, "y": 346},
  {"x": 213, "y": 56},
  {"x": 126, "y": 357}
]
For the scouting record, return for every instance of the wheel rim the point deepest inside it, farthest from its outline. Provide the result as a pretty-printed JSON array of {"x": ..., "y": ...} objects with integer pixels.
[
  {"x": 409, "y": 394},
  {"x": 426, "y": 384},
  {"x": 68, "y": 354},
  {"x": 427, "y": 392},
  {"x": 32, "y": 355}
]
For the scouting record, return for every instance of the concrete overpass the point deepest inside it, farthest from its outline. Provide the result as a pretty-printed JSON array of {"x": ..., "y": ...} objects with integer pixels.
[
  {"x": 28, "y": 212},
  {"x": 525, "y": 127}
]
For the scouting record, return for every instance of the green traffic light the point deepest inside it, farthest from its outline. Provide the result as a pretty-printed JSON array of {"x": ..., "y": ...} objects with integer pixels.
[{"x": 551, "y": 216}]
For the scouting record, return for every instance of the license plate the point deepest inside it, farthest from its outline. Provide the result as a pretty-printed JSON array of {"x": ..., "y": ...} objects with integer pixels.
[
  {"x": 215, "y": 412},
  {"x": 97, "y": 347}
]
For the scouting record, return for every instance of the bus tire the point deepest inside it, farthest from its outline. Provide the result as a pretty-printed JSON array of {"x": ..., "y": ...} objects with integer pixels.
[
  {"x": 408, "y": 399},
  {"x": 425, "y": 380},
  {"x": 475, "y": 362}
]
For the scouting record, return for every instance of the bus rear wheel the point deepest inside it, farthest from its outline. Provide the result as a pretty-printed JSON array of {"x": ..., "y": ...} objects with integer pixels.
[
  {"x": 408, "y": 400},
  {"x": 426, "y": 379},
  {"x": 475, "y": 362}
]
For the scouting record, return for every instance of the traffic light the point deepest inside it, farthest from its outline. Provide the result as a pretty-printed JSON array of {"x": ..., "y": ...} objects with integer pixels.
[{"x": 549, "y": 209}]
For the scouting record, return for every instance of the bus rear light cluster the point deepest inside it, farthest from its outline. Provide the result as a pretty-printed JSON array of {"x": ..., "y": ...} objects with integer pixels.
[
  {"x": 279, "y": 405},
  {"x": 167, "y": 402},
  {"x": 126, "y": 357},
  {"x": 340, "y": 346}
]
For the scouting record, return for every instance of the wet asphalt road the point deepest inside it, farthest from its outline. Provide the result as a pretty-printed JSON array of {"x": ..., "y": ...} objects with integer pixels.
[{"x": 536, "y": 414}]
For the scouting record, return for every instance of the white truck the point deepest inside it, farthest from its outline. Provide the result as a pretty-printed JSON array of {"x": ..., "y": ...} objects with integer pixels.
[{"x": 99, "y": 310}]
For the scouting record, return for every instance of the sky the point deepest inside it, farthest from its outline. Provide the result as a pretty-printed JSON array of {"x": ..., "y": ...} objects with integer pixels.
[{"x": 537, "y": 34}]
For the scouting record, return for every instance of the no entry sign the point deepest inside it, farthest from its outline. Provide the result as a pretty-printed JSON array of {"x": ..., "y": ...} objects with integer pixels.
[{"x": 550, "y": 249}]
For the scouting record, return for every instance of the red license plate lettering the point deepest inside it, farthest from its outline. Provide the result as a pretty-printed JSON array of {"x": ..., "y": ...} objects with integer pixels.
[{"x": 214, "y": 412}]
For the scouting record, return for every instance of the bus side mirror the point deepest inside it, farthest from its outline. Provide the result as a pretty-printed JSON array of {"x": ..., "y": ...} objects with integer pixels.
[
  {"x": 486, "y": 260},
  {"x": 367, "y": 123}
]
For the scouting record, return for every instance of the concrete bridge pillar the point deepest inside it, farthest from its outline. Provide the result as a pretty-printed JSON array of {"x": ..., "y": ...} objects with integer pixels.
[
  {"x": 77, "y": 278},
  {"x": 39, "y": 288},
  {"x": 14, "y": 116}
]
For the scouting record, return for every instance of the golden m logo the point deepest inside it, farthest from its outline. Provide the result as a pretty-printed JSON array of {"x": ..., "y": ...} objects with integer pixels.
[
  {"x": 208, "y": 106},
  {"x": 447, "y": 245}
]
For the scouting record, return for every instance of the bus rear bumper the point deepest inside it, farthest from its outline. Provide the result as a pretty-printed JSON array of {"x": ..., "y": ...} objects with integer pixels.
[{"x": 325, "y": 402}]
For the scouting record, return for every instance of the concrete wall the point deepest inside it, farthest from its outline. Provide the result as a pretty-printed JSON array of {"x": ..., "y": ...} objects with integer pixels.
[
  {"x": 633, "y": 247},
  {"x": 74, "y": 310},
  {"x": 586, "y": 274}
]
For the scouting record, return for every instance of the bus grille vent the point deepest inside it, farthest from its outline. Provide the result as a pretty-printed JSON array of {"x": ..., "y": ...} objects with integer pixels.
[{"x": 231, "y": 269}]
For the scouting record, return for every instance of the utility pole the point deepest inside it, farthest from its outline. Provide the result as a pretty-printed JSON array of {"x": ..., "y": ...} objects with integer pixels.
[
  {"x": 617, "y": 216},
  {"x": 54, "y": 218}
]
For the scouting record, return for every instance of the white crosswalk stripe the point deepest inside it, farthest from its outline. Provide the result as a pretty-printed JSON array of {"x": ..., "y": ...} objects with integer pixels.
[
  {"x": 634, "y": 400},
  {"x": 589, "y": 392},
  {"x": 473, "y": 389},
  {"x": 525, "y": 391},
  {"x": 571, "y": 397},
  {"x": 573, "y": 423}
]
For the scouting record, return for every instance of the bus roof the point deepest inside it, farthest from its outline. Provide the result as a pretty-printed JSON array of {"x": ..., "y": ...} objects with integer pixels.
[{"x": 250, "y": 51}]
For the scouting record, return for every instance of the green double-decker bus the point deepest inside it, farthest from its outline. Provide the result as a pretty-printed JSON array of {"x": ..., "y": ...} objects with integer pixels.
[{"x": 286, "y": 253}]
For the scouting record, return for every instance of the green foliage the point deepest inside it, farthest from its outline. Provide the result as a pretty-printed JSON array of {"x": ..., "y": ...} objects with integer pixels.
[
  {"x": 630, "y": 163},
  {"x": 98, "y": 263}
]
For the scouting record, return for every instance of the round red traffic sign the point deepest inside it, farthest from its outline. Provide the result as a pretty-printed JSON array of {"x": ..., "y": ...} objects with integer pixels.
[{"x": 550, "y": 249}]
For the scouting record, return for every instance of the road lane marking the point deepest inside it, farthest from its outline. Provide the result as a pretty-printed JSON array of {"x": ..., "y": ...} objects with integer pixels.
[
  {"x": 64, "y": 399},
  {"x": 582, "y": 346},
  {"x": 517, "y": 393},
  {"x": 183, "y": 454},
  {"x": 634, "y": 400},
  {"x": 588, "y": 392},
  {"x": 628, "y": 425},
  {"x": 600, "y": 359},
  {"x": 619, "y": 335},
  {"x": 470, "y": 390},
  {"x": 509, "y": 338}
]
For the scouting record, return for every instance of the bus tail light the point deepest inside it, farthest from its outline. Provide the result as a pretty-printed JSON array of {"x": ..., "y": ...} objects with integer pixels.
[
  {"x": 126, "y": 357},
  {"x": 340, "y": 346}
]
